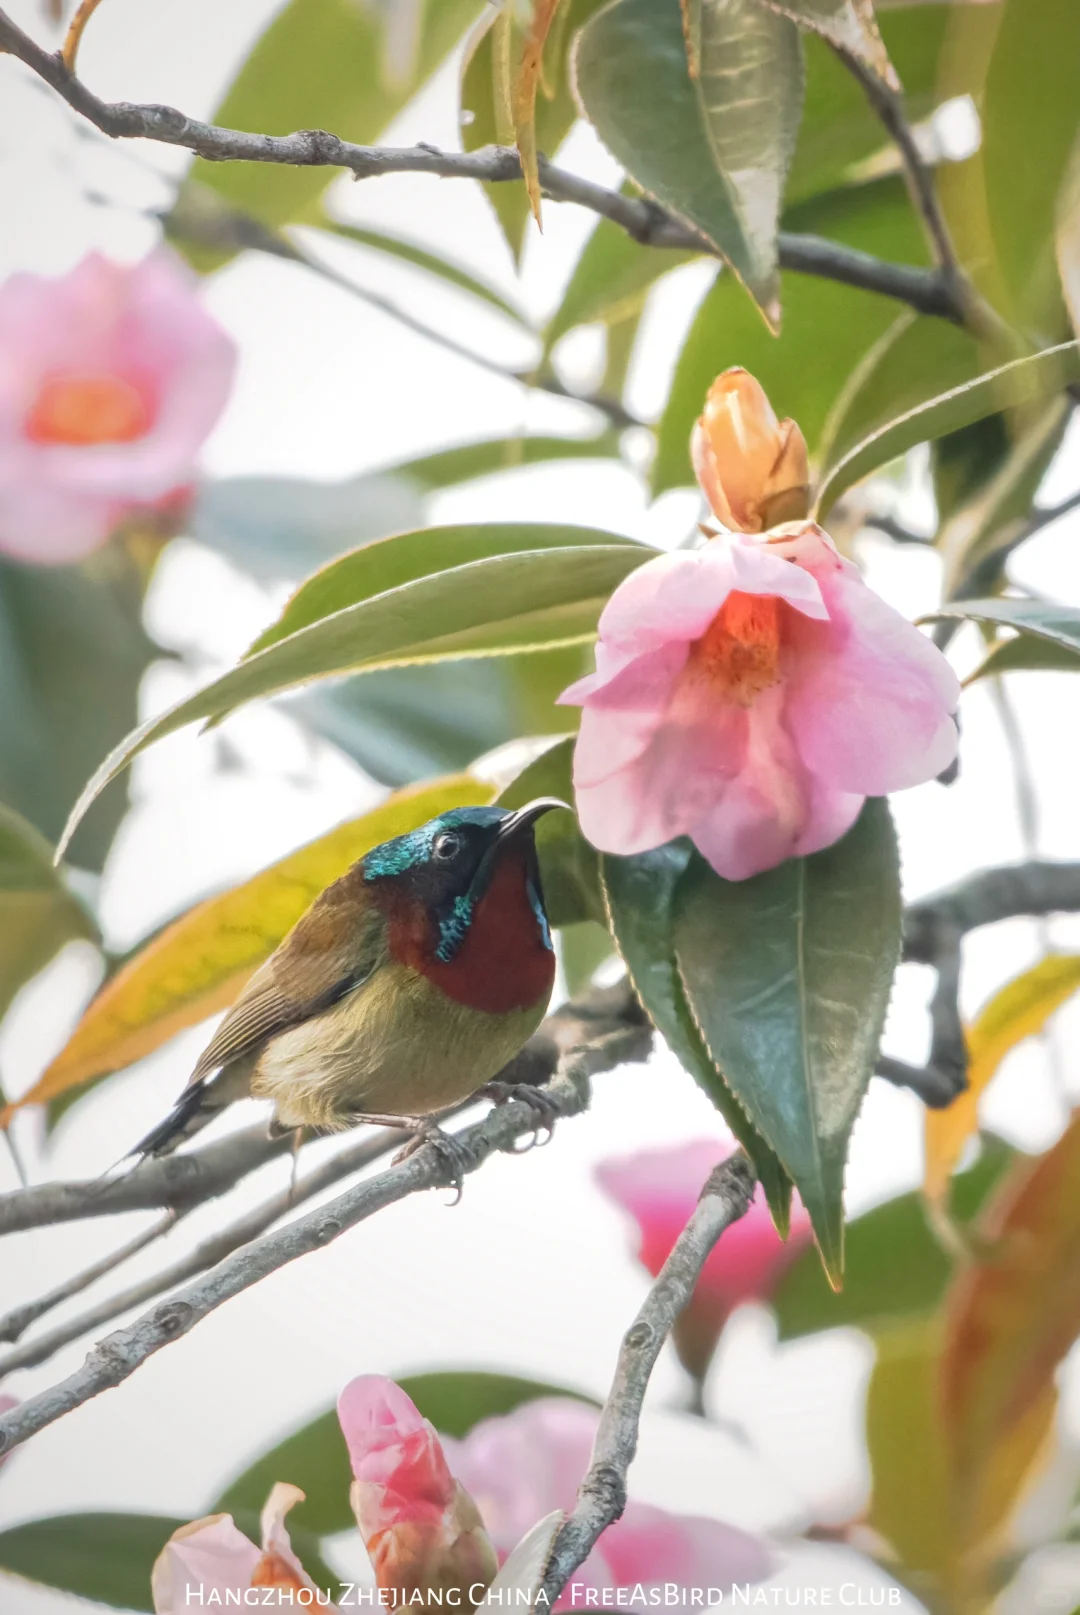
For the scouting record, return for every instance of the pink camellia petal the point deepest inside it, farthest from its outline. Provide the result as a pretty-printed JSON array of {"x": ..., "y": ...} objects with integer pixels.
[
  {"x": 111, "y": 377},
  {"x": 751, "y": 695},
  {"x": 209, "y": 1555},
  {"x": 421, "y": 1528},
  {"x": 523, "y": 1464},
  {"x": 659, "y": 1189}
]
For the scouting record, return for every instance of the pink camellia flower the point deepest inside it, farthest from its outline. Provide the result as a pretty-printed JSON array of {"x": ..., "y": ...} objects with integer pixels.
[
  {"x": 523, "y": 1464},
  {"x": 660, "y": 1188},
  {"x": 750, "y": 695},
  {"x": 421, "y": 1528},
  {"x": 210, "y": 1560},
  {"x": 110, "y": 379},
  {"x": 752, "y": 468}
]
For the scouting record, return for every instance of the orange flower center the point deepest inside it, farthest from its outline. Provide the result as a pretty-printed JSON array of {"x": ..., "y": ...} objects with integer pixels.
[
  {"x": 85, "y": 407},
  {"x": 272, "y": 1571},
  {"x": 740, "y": 649}
]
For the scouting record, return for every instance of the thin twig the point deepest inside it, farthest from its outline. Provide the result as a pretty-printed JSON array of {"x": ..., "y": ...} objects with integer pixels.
[
  {"x": 204, "y": 1255},
  {"x": 16, "y": 1322},
  {"x": 928, "y": 290},
  {"x": 70, "y": 48},
  {"x": 587, "y": 1043},
  {"x": 602, "y": 1495}
]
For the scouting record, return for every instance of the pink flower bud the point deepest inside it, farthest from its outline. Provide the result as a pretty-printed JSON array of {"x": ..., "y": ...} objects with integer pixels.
[
  {"x": 110, "y": 380},
  {"x": 751, "y": 695},
  {"x": 660, "y": 1188},
  {"x": 421, "y": 1528},
  {"x": 753, "y": 468}
]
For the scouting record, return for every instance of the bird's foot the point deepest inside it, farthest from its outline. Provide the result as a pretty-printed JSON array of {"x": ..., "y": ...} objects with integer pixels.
[
  {"x": 539, "y": 1102},
  {"x": 425, "y": 1131}
]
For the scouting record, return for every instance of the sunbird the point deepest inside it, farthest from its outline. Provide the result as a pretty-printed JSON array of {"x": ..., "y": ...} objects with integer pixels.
[{"x": 408, "y": 985}]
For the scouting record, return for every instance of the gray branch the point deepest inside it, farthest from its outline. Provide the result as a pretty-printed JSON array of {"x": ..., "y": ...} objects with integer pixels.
[
  {"x": 594, "y": 1036},
  {"x": 930, "y": 291},
  {"x": 602, "y": 1495}
]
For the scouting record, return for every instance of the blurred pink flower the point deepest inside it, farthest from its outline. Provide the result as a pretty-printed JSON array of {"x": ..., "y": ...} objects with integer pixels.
[
  {"x": 660, "y": 1188},
  {"x": 523, "y": 1464},
  {"x": 751, "y": 694},
  {"x": 421, "y": 1528},
  {"x": 210, "y": 1556},
  {"x": 111, "y": 377}
]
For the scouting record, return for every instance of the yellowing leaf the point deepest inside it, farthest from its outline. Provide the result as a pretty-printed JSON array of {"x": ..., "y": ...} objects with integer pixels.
[
  {"x": 1019, "y": 1010},
  {"x": 523, "y": 98},
  {"x": 198, "y": 965},
  {"x": 1009, "y": 1321}
]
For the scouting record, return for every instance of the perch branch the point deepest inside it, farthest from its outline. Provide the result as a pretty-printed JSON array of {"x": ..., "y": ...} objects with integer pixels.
[
  {"x": 594, "y": 1036},
  {"x": 930, "y": 291},
  {"x": 602, "y": 1495}
]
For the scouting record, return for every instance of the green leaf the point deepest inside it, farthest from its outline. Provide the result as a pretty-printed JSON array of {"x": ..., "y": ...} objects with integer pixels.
[
  {"x": 714, "y": 149},
  {"x": 909, "y": 1504},
  {"x": 1026, "y": 654},
  {"x": 451, "y": 466},
  {"x": 488, "y": 608},
  {"x": 788, "y": 977},
  {"x": 72, "y": 652},
  {"x": 639, "y": 894},
  {"x": 1055, "y": 628},
  {"x": 828, "y": 328},
  {"x": 411, "y": 252},
  {"x": 1030, "y": 118},
  {"x": 315, "y": 1458},
  {"x": 378, "y": 568},
  {"x": 320, "y": 65},
  {"x": 585, "y": 947},
  {"x": 569, "y": 866},
  {"x": 104, "y": 1557},
  {"x": 611, "y": 280},
  {"x": 895, "y": 1269},
  {"x": 847, "y": 25},
  {"x": 37, "y": 912},
  {"x": 1022, "y": 381}
]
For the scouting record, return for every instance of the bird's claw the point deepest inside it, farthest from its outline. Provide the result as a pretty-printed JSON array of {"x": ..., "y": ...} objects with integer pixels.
[
  {"x": 456, "y": 1159},
  {"x": 539, "y": 1102}
]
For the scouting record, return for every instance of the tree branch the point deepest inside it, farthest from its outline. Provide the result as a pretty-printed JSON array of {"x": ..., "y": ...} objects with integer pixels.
[
  {"x": 595, "y": 1035},
  {"x": 602, "y": 1495},
  {"x": 930, "y": 291}
]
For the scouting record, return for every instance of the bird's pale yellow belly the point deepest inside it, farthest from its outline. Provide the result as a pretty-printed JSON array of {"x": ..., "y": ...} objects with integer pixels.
[{"x": 396, "y": 1046}]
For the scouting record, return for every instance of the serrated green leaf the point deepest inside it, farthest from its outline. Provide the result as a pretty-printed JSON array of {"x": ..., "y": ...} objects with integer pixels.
[
  {"x": 714, "y": 149},
  {"x": 639, "y": 895},
  {"x": 895, "y": 1268},
  {"x": 38, "y": 914},
  {"x": 487, "y": 608},
  {"x": 788, "y": 977},
  {"x": 1022, "y": 381},
  {"x": 849, "y": 26},
  {"x": 315, "y": 1458},
  {"x": 319, "y": 65},
  {"x": 1053, "y": 626}
]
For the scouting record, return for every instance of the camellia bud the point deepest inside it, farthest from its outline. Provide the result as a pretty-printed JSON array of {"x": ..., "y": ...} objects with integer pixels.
[
  {"x": 422, "y": 1530},
  {"x": 753, "y": 468}
]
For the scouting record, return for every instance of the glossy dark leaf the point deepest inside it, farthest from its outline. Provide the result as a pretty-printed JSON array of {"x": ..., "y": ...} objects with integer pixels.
[
  {"x": 37, "y": 912},
  {"x": 1055, "y": 627},
  {"x": 714, "y": 148},
  {"x": 639, "y": 894},
  {"x": 315, "y": 1458},
  {"x": 104, "y": 1557},
  {"x": 895, "y": 1269},
  {"x": 788, "y": 976}
]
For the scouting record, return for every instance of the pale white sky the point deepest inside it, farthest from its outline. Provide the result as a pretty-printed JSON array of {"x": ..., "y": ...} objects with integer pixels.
[{"x": 530, "y": 1273}]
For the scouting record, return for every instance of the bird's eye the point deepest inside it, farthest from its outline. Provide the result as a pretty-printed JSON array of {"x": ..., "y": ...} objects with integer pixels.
[{"x": 447, "y": 846}]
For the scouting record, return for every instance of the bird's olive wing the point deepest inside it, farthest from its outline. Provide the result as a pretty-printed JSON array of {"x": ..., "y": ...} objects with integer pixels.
[{"x": 332, "y": 949}]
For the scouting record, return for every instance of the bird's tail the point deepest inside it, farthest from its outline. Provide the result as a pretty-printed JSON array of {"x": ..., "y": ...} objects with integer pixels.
[{"x": 199, "y": 1103}]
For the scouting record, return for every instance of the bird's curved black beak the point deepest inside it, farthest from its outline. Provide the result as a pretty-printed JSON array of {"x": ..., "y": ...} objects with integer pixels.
[{"x": 525, "y": 817}]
